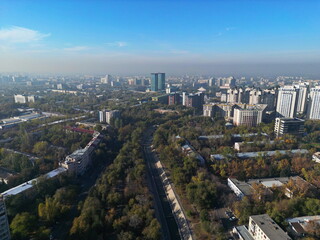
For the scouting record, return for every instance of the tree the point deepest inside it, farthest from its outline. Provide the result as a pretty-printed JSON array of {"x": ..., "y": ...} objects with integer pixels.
[
  {"x": 49, "y": 210},
  {"x": 23, "y": 225},
  {"x": 152, "y": 231},
  {"x": 41, "y": 148}
]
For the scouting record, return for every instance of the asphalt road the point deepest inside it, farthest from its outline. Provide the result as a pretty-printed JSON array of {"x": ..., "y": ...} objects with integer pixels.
[{"x": 162, "y": 206}]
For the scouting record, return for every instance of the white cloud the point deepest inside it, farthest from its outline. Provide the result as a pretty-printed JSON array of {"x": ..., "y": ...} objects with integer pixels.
[
  {"x": 76, "y": 48},
  {"x": 20, "y": 35},
  {"x": 117, "y": 44}
]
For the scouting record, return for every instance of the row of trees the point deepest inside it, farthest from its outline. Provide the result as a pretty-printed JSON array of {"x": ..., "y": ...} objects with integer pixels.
[{"x": 119, "y": 205}]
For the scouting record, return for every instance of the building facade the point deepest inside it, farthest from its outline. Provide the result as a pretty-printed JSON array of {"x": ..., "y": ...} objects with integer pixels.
[
  {"x": 314, "y": 104},
  {"x": 107, "y": 115},
  {"x": 287, "y": 102},
  {"x": 262, "y": 227},
  {"x": 269, "y": 97},
  {"x": 293, "y": 126},
  {"x": 80, "y": 160},
  {"x": 302, "y": 97},
  {"x": 255, "y": 96},
  {"x": 4, "y": 225},
  {"x": 249, "y": 115},
  {"x": 158, "y": 82}
]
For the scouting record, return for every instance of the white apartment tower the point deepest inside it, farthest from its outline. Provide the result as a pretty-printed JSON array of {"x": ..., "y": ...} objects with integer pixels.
[
  {"x": 287, "y": 101},
  {"x": 235, "y": 95},
  {"x": 255, "y": 96},
  {"x": 314, "y": 103},
  {"x": 302, "y": 97}
]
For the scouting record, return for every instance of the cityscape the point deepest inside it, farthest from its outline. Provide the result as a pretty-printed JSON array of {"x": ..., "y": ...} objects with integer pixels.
[{"x": 203, "y": 124}]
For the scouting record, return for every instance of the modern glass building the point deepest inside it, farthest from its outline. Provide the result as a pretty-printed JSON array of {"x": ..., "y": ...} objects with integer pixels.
[{"x": 158, "y": 82}]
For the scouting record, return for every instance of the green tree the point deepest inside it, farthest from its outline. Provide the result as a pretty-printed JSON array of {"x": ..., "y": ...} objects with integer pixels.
[{"x": 23, "y": 225}]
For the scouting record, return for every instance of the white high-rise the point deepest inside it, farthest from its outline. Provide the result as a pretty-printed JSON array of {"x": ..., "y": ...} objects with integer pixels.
[
  {"x": 255, "y": 96},
  {"x": 314, "y": 103},
  {"x": 302, "y": 97},
  {"x": 287, "y": 101}
]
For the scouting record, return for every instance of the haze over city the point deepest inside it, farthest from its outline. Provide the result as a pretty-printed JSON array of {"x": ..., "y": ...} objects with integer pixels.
[{"x": 177, "y": 37}]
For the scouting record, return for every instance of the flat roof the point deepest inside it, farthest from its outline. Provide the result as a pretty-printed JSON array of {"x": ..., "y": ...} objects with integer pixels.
[
  {"x": 243, "y": 232},
  {"x": 244, "y": 187},
  {"x": 269, "y": 227},
  {"x": 256, "y": 154},
  {"x": 29, "y": 184}
]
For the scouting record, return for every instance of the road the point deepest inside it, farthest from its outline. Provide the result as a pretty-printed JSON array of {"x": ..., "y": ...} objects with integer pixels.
[
  {"x": 167, "y": 194},
  {"x": 162, "y": 207}
]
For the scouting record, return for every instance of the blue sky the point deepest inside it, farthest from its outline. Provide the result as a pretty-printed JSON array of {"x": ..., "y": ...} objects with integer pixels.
[{"x": 141, "y": 36}]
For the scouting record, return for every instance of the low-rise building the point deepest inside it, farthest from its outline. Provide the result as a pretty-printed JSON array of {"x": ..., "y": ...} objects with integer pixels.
[
  {"x": 244, "y": 155},
  {"x": 246, "y": 188},
  {"x": 80, "y": 160},
  {"x": 293, "y": 126},
  {"x": 300, "y": 226},
  {"x": 161, "y": 99},
  {"x": 190, "y": 151},
  {"x": 239, "y": 145},
  {"x": 262, "y": 227}
]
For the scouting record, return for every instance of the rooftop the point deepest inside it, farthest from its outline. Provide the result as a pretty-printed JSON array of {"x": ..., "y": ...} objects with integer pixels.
[
  {"x": 269, "y": 227},
  {"x": 263, "y": 153},
  {"x": 29, "y": 184},
  {"x": 300, "y": 223},
  {"x": 243, "y": 232}
]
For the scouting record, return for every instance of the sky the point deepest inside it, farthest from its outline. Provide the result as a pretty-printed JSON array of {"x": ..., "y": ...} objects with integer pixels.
[{"x": 176, "y": 37}]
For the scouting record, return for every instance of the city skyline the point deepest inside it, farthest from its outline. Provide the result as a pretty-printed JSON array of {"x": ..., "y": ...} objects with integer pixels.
[{"x": 176, "y": 37}]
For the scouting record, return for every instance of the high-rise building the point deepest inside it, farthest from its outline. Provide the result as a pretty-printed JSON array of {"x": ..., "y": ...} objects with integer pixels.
[
  {"x": 223, "y": 110},
  {"x": 194, "y": 100},
  {"x": 18, "y": 98},
  {"x": 302, "y": 97},
  {"x": 102, "y": 116},
  {"x": 105, "y": 116},
  {"x": 235, "y": 95},
  {"x": 107, "y": 79},
  {"x": 4, "y": 225},
  {"x": 229, "y": 82},
  {"x": 248, "y": 115},
  {"x": 292, "y": 126},
  {"x": 158, "y": 82},
  {"x": 287, "y": 102},
  {"x": 269, "y": 98},
  {"x": 174, "y": 98},
  {"x": 255, "y": 96},
  {"x": 314, "y": 103},
  {"x": 112, "y": 114}
]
